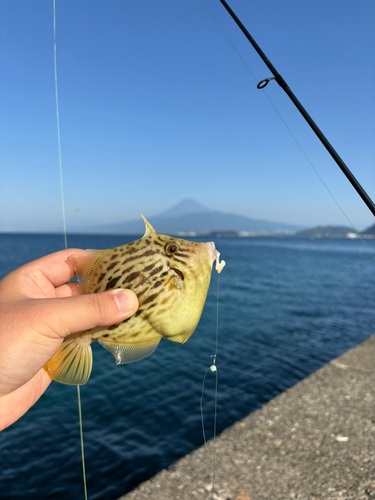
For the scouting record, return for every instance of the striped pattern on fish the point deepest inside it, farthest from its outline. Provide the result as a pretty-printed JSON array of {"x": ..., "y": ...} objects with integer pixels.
[{"x": 170, "y": 277}]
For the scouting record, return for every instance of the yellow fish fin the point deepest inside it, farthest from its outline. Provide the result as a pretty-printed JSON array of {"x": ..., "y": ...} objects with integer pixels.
[
  {"x": 148, "y": 228},
  {"x": 124, "y": 354},
  {"x": 83, "y": 262},
  {"x": 72, "y": 363}
]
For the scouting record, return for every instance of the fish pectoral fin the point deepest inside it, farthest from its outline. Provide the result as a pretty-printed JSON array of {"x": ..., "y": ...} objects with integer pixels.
[
  {"x": 83, "y": 262},
  {"x": 124, "y": 354},
  {"x": 72, "y": 363}
]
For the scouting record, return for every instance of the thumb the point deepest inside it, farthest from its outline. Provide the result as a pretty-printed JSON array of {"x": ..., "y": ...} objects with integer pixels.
[{"x": 82, "y": 312}]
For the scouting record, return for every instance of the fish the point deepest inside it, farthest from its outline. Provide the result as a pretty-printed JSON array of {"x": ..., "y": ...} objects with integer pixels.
[{"x": 170, "y": 277}]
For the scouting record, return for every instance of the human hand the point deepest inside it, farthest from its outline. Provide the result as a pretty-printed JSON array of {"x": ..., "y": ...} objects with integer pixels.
[{"x": 38, "y": 308}]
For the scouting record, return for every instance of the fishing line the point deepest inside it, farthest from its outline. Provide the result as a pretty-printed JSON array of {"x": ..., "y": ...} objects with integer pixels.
[
  {"x": 64, "y": 225},
  {"x": 290, "y": 132},
  {"x": 213, "y": 369},
  {"x": 58, "y": 127},
  {"x": 81, "y": 436}
]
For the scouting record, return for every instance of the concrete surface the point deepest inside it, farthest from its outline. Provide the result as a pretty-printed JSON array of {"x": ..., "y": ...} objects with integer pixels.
[{"x": 315, "y": 441}]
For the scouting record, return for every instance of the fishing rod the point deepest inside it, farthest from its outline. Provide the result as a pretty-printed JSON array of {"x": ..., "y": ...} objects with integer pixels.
[{"x": 280, "y": 80}]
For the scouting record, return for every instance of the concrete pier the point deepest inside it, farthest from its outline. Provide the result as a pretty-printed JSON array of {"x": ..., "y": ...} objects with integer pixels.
[{"x": 315, "y": 441}]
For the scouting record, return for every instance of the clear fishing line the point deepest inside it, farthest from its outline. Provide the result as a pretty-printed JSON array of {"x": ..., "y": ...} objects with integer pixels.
[
  {"x": 290, "y": 132},
  {"x": 58, "y": 127},
  {"x": 213, "y": 369},
  {"x": 64, "y": 225}
]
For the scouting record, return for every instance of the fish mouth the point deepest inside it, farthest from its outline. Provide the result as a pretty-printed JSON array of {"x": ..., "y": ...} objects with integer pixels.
[
  {"x": 178, "y": 272},
  {"x": 212, "y": 250},
  {"x": 215, "y": 255}
]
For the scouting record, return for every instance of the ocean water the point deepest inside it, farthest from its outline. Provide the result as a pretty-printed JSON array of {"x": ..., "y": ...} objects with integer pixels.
[{"x": 286, "y": 307}]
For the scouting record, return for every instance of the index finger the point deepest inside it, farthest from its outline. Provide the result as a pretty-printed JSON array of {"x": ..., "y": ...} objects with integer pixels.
[{"x": 55, "y": 266}]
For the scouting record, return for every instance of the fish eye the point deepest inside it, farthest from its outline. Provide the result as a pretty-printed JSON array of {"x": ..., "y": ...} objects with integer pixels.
[{"x": 171, "y": 248}]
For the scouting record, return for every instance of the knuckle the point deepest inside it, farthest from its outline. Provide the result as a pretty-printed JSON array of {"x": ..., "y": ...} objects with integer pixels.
[{"x": 97, "y": 306}]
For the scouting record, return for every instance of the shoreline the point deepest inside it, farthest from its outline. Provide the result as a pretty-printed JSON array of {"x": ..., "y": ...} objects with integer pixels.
[{"x": 315, "y": 441}]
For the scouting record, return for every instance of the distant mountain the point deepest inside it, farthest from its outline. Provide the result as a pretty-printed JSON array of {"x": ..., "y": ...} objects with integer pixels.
[
  {"x": 369, "y": 230},
  {"x": 190, "y": 217},
  {"x": 325, "y": 232},
  {"x": 186, "y": 207}
]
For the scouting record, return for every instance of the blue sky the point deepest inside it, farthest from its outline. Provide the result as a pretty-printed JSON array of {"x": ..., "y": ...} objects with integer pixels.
[{"x": 156, "y": 106}]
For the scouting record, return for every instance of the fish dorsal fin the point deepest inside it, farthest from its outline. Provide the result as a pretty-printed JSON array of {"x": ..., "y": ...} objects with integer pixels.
[
  {"x": 124, "y": 354},
  {"x": 72, "y": 363},
  {"x": 83, "y": 262},
  {"x": 149, "y": 229}
]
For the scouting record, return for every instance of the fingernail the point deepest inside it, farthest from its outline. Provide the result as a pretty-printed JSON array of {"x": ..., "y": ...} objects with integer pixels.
[{"x": 126, "y": 300}]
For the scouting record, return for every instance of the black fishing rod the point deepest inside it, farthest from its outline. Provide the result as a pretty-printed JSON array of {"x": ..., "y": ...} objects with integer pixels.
[{"x": 280, "y": 80}]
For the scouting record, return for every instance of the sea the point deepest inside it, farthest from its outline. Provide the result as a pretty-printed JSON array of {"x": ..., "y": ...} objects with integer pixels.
[{"x": 285, "y": 307}]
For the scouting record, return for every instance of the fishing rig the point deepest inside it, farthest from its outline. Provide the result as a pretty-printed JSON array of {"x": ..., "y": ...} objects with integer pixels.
[{"x": 280, "y": 80}]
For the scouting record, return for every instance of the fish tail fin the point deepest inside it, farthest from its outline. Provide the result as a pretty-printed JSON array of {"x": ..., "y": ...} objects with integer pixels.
[{"x": 72, "y": 363}]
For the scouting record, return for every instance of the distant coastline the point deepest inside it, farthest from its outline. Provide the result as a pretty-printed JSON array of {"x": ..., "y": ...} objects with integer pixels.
[
  {"x": 190, "y": 218},
  {"x": 319, "y": 232},
  {"x": 328, "y": 232}
]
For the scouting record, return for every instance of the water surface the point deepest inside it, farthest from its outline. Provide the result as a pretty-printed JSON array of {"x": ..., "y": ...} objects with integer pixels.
[{"x": 286, "y": 307}]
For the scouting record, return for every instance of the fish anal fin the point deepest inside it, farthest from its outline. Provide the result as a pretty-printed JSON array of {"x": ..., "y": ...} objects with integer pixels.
[
  {"x": 72, "y": 363},
  {"x": 124, "y": 354},
  {"x": 83, "y": 262},
  {"x": 148, "y": 228}
]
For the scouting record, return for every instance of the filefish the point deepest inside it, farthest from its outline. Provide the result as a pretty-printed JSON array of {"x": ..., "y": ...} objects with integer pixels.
[{"x": 170, "y": 277}]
